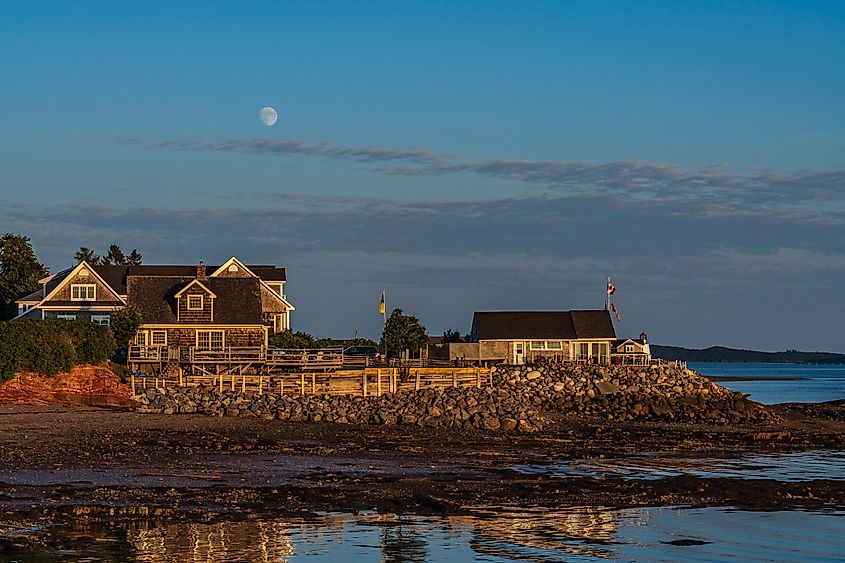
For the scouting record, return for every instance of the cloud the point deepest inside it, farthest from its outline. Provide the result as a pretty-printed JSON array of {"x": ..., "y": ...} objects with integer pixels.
[
  {"x": 806, "y": 195},
  {"x": 444, "y": 259}
]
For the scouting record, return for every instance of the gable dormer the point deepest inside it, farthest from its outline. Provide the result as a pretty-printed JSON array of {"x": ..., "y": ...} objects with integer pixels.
[
  {"x": 82, "y": 286},
  {"x": 233, "y": 268},
  {"x": 195, "y": 303}
]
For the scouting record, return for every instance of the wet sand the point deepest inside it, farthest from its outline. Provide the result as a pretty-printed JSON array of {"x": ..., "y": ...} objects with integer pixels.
[{"x": 113, "y": 463}]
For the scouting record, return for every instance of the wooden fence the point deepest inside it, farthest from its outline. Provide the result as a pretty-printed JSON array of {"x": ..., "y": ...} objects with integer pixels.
[{"x": 366, "y": 383}]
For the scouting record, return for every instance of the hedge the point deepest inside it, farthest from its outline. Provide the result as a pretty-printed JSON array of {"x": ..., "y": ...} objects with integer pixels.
[{"x": 51, "y": 346}]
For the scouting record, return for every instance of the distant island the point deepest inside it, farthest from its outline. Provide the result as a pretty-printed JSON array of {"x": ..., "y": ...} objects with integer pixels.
[{"x": 722, "y": 354}]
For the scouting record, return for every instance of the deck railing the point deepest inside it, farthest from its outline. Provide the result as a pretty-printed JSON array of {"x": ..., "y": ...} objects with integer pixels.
[{"x": 317, "y": 358}]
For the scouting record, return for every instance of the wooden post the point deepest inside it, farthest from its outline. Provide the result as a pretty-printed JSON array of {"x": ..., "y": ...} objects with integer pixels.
[
  {"x": 260, "y": 384},
  {"x": 181, "y": 383},
  {"x": 132, "y": 376},
  {"x": 302, "y": 384},
  {"x": 281, "y": 386},
  {"x": 243, "y": 383},
  {"x": 417, "y": 382},
  {"x": 393, "y": 381},
  {"x": 220, "y": 382},
  {"x": 144, "y": 382},
  {"x": 378, "y": 380},
  {"x": 364, "y": 383},
  {"x": 313, "y": 383},
  {"x": 454, "y": 379},
  {"x": 478, "y": 378},
  {"x": 233, "y": 381}
]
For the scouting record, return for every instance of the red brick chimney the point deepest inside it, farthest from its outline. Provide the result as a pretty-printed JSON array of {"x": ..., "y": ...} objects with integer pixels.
[{"x": 201, "y": 271}]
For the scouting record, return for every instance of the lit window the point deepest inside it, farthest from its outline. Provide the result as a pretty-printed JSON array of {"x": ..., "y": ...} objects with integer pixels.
[
  {"x": 538, "y": 345},
  {"x": 553, "y": 345},
  {"x": 141, "y": 338},
  {"x": 66, "y": 317},
  {"x": 158, "y": 337},
  {"x": 195, "y": 302},
  {"x": 83, "y": 292},
  {"x": 102, "y": 320}
]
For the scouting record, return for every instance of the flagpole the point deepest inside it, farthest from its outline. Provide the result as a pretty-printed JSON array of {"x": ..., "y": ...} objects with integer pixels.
[{"x": 384, "y": 312}]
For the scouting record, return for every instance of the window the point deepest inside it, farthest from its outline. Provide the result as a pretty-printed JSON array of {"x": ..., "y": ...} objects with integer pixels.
[
  {"x": 210, "y": 339},
  {"x": 538, "y": 345},
  {"x": 66, "y": 317},
  {"x": 629, "y": 348},
  {"x": 102, "y": 320},
  {"x": 195, "y": 302},
  {"x": 158, "y": 337},
  {"x": 553, "y": 345},
  {"x": 141, "y": 338},
  {"x": 83, "y": 292},
  {"x": 583, "y": 349}
]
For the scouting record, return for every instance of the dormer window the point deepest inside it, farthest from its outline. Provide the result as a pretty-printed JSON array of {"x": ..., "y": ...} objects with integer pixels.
[
  {"x": 195, "y": 302},
  {"x": 83, "y": 292}
]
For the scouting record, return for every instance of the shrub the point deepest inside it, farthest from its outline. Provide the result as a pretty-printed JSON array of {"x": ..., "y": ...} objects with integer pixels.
[
  {"x": 51, "y": 346},
  {"x": 125, "y": 322}
]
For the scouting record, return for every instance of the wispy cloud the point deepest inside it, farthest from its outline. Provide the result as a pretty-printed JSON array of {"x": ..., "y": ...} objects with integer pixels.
[{"x": 806, "y": 195}]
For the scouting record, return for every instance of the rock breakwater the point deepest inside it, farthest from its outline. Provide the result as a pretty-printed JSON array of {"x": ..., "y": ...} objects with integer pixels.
[{"x": 522, "y": 399}]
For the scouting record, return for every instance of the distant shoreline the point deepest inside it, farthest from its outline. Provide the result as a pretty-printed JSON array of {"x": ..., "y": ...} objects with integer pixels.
[{"x": 753, "y": 378}]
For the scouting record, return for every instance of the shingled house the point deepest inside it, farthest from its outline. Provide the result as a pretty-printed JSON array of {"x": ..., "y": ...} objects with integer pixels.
[
  {"x": 520, "y": 336},
  {"x": 234, "y": 305}
]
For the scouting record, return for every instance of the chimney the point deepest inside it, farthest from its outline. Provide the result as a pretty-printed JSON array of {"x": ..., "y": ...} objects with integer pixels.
[
  {"x": 201, "y": 271},
  {"x": 644, "y": 337}
]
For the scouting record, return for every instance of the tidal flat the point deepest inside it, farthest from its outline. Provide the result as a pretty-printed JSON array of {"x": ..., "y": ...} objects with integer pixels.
[{"x": 79, "y": 479}]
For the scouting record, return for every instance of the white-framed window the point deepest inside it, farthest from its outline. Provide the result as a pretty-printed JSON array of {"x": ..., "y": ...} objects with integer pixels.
[
  {"x": 66, "y": 317},
  {"x": 195, "y": 302},
  {"x": 83, "y": 292},
  {"x": 158, "y": 337},
  {"x": 210, "y": 339},
  {"x": 629, "y": 348},
  {"x": 141, "y": 338},
  {"x": 553, "y": 345},
  {"x": 102, "y": 320},
  {"x": 537, "y": 345}
]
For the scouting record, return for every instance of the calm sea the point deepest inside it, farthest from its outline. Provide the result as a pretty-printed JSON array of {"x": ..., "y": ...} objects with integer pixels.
[
  {"x": 818, "y": 383},
  {"x": 495, "y": 534}
]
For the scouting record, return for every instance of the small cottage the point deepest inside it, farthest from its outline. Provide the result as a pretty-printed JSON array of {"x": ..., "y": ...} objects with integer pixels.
[{"x": 517, "y": 337}]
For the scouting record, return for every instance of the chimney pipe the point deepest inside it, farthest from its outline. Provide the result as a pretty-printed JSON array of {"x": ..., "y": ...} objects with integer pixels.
[{"x": 201, "y": 270}]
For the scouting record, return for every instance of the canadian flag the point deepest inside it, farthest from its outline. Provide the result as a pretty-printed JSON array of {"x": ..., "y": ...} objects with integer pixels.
[{"x": 611, "y": 289}]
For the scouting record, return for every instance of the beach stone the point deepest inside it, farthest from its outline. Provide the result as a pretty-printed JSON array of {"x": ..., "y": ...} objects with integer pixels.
[
  {"x": 532, "y": 375},
  {"x": 607, "y": 388}
]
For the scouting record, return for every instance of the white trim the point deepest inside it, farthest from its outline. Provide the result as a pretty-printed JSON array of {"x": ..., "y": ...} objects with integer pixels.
[
  {"x": 107, "y": 318},
  {"x": 152, "y": 338},
  {"x": 188, "y": 302},
  {"x": 229, "y": 262},
  {"x": 199, "y": 283},
  {"x": 70, "y": 276},
  {"x": 79, "y": 287},
  {"x": 210, "y": 331}
]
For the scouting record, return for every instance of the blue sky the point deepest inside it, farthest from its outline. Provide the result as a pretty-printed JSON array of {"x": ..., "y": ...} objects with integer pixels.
[{"x": 461, "y": 155}]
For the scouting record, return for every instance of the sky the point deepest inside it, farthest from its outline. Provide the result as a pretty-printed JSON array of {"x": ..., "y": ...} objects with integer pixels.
[{"x": 460, "y": 156}]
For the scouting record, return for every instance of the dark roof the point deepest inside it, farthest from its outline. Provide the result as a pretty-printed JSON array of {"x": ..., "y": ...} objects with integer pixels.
[
  {"x": 238, "y": 299},
  {"x": 116, "y": 276},
  {"x": 32, "y": 297},
  {"x": 540, "y": 325}
]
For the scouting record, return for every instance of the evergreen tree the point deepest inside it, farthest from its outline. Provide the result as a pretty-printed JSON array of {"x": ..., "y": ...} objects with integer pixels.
[
  {"x": 134, "y": 258},
  {"x": 88, "y": 255},
  {"x": 115, "y": 257},
  {"x": 20, "y": 271}
]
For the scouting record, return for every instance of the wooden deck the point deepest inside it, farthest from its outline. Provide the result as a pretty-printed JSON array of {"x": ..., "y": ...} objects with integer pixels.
[{"x": 365, "y": 382}]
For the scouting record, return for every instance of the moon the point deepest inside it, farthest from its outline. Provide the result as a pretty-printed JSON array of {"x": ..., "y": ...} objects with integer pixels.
[{"x": 269, "y": 116}]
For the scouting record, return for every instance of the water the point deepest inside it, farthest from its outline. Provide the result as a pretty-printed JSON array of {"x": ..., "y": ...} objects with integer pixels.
[
  {"x": 787, "y": 467},
  {"x": 493, "y": 534},
  {"x": 819, "y": 383}
]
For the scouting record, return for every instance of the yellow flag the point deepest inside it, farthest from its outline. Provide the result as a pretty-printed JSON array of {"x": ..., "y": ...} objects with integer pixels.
[{"x": 381, "y": 305}]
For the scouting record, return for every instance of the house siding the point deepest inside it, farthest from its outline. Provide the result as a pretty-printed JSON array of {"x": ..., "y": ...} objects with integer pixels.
[
  {"x": 204, "y": 315},
  {"x": 235, "y": 337},
  {"x": 105, "y": 296}
]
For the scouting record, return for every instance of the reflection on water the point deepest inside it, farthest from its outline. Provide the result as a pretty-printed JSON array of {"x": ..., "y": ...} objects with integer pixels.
[
  {"x": 791, "y": 466},
  {"x": 489, "y": 534}
]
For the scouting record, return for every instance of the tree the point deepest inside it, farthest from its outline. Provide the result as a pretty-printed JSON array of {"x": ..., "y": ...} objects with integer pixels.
[
  {"x": 452, "y": 336},
  {"x": 20, "y": 271},
  {"x": 134, "y": 258},
  {"x": 288, "y": 339},
  {"x": 401, "y": 333},
  {"x": 88, "y": 255},
  {"x": 115, "y": 256},
  {"x": 125, "y": 322}
]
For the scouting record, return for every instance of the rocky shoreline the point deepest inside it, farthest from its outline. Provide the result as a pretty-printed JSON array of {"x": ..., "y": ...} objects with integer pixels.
[{"x": 522, "y": 399}]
